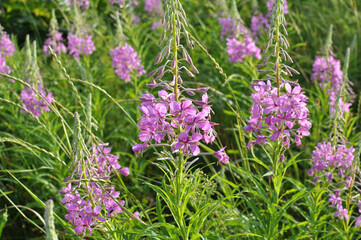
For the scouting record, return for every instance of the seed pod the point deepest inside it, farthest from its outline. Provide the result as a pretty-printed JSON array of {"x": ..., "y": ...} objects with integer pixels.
[
  {"x": 152, "y": 73},
  {"x": 202, "y": 89}
]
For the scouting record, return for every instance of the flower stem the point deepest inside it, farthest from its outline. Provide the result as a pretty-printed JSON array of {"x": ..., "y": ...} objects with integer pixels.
[
  {"x": 175, "y": 47},
  {"x": 278, "y": 69}
]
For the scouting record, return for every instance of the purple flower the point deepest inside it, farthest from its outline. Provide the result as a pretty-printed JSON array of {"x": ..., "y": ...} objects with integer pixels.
[
  {"x": 56, "y": 42},
  {"x": 230, "y": 27},
  {"x": 222, "y": 156},
  {"x": 138, "y": 148},
  {"x": 341, "y": 213},
  {"x": 156, "y": 24},
  {"x": 330, "y": 76},
  {"x": 259, "y": 23},
  {"x": 34, "y": 103},
  {"x": 79, "y": 46},
  {"x": 271, "y": 3},
  {"x": 189, "y": 144},
  {"x": 163, "y": 116},
  {"x": 335, "y": 199},
  {"x": 126, "y": 61},
  {"x": 3, "y": 67},
  {"x": 358, "y": 222},
  {"x": 276, "y": 117},
  {"x": 153, "y": 6},
  {"x": 79, "y": 199},
  {"x": 124, "y": 172},
  {"x": 328, "y": 159},
  {"x": 238, "y": 50},
  {"x": 7, "y": 48}
]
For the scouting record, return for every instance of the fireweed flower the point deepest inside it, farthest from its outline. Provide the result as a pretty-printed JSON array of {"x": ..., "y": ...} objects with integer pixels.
[
  {"x": 171, "y": 118},
  {"x": 55, "y": 39},
  {"x": 78, "y": 45},
  {"x": 126, "y": 61},
  {"x": 7, "y": 48},
  {"x": 156, "y": 24},
  {"x": 260, "y": 22},
  {"x": 34, "y": 103},
  {"x": 278, "y": 113},
  {"x": 153, "y": 6},
  {"x": 56, "y": 42},
  {"x": 231, "y": 28},
  {"x": 237, "y": 50},
  {"x": 271, "y": 4},
  {"x": 332, "y": 162},
  {"x": 3, "y": 67},
  {"x": 329, "y": 74},
  {"x": 275, "y": 118},
  {"x": 88, "y": 201},
  {"x": 239, "y": 40}
]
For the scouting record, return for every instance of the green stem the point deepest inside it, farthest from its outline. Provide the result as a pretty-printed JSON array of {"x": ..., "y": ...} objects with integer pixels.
[
  {"x": 278, "y": 69},
  {"x": 175, "y": 47}
]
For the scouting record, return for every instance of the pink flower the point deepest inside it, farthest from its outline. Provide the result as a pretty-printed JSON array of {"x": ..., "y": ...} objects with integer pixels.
[
  {"x": 259, "y": 23},
  {"x": 124, "y": 172},
  {"x": 56, "y": 42},
  {"x": 34, "y": 103},
  {"x": 222, "y": 156},
  {"x": 238, "y": 50},
  {"x": 78, "y": 199},
  {"x": 126, "y": 61},
  {"x": 342, "y": 213},
  {"x": 7, "y": 48},
  {"x": 79, "y": 46},
  {"x": 276, "y": 117},
  {"x": 153, "y": 6}
]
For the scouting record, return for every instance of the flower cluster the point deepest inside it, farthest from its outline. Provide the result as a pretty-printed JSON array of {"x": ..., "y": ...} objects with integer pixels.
[
  {"x": 3, "y": 67},
  {"x": 270, "y": 5},
  {"x": 231, "y": 28},
  {"x": 258, "y": 23},
  {"x": 56, "y": 42},
  {"x": 282, "y": 117},
  {"x": 126, "y": 61},
  {"x": 88, "y": 201},
  {"x": 7, "y": 48},
  {"x": 329, "y": 160},
  {"x": 153, "y": 6},
  {"x": 261, "y": 22},
  {"x": 81, "y": 3},
  {"x": 163, "y": 117},
  {"x": 237, "y": 50},
  {"x": 335, "y": 163},
  {"x": 77, "y": 45},
  {"x": 34, "y": 103},
  {"x": 328, "y": 72}
]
